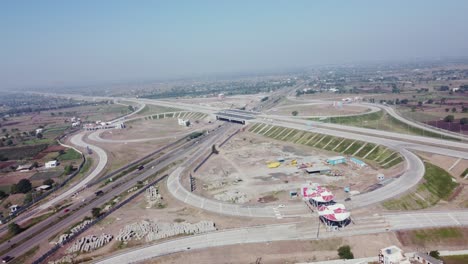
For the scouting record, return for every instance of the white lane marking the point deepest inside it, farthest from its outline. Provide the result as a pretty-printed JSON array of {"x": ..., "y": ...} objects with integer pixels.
[{"x": 454, "y": 219}]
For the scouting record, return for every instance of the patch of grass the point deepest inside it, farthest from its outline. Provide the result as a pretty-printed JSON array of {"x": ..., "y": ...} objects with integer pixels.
[
  {"x": 458, "y": 259},
  {"x": 344, "y": 145},
  {"x": 464, "y": 173},
  {"x": 354, "y": 148},
  {"x": 156, "y": 109},
  {"x": 382, "y": 121},
  {"x": 365, "y": 150},
  {"x": 70, "y": 154},
  {"x": 423, "y": 237},
  {"x": 5, "y": 188},
  {"x": 437, "y": 185},
  {"x": 25, "y": 258},
  {"x": 38, "y": 219},
  {"x": 36, "y": 141},
  {"x": 323, "y": 142},
  {"x": 393, "y": 162}
]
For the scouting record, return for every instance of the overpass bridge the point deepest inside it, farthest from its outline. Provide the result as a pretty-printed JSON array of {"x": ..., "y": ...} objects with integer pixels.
[{"x": 236, "y": 116}]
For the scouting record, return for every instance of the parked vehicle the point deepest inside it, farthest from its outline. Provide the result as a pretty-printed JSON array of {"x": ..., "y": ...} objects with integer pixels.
[{"x": 7, "y": 259}]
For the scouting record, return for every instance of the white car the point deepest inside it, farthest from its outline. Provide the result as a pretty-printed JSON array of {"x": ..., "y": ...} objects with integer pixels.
[{"x": 281, "y": 206}]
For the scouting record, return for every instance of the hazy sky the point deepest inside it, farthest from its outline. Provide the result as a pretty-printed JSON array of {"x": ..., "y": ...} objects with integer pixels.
[{"x": 81, "y": 42}]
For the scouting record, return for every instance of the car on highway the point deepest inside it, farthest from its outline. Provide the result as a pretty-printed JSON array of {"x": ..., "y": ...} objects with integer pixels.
[
  {"x": 7, "y": 259},
  {"x": 141, "y": 167},
  {"x": 66, "y": 210},
  {"x": 281, "y": 206},
  {"x": 99, "y": 193}
]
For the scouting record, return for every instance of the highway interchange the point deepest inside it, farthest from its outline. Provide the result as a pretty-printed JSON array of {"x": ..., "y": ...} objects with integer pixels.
[{"x": 189, "y": 153}]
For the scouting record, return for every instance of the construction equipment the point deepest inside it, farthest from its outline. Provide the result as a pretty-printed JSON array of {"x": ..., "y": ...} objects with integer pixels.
[{"x": 273, "y": 165}]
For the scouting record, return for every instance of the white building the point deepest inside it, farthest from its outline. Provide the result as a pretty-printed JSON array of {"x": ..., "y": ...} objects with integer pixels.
[
  {"x": 183, "y": 122},
  {"x": 51, "y": 164},
  {"x": 14, "y": 208},
  {"x": 393, "y": 255}
]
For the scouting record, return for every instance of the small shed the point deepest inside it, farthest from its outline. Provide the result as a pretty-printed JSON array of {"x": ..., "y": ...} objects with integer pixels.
[
  {"x": 358, "y": 162},
  {"x": 336, "y": 160},
  {"x": 380, "y": 177},
  {"x": 318, "y": 169},
  {"x": 51, "y": 164},
  {"x": 43, "y": 187}
]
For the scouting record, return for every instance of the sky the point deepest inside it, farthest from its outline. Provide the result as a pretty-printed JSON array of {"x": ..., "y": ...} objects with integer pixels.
[{"x": 68, "y": 43}]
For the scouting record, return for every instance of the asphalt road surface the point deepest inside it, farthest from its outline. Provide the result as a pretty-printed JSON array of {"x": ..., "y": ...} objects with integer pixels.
[
  {"x": 41, "y": 232},
  {"x": 279, "y": 232}
]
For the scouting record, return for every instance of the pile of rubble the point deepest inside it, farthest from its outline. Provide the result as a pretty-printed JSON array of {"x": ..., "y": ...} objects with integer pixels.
[
  {"x": 132, "y": 189},
  {"x": 157, "y": 230},
  {"x": 232, "y": 196},
  {"x": 74, "y": 230},
  {"x": 152, "y": 196},
  {"x": 89, "y": 243}
]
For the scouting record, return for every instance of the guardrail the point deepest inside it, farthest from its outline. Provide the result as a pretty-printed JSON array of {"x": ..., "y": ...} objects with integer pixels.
[{"x": 95, "y": 221}]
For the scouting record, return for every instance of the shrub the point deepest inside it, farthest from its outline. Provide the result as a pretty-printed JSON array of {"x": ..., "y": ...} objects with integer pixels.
[{"x": 344, "y": 252}]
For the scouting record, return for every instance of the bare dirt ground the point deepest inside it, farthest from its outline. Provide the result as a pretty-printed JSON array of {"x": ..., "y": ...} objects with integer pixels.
[
  {"x": 240, "y": 174},
  {"x": 283, "y": 251},
  {"x": 319, "y": 110},
  {"x": 149, "y": 129}
]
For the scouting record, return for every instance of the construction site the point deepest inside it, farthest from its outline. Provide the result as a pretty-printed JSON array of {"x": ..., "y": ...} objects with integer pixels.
[{"x": 251, "y": 169}]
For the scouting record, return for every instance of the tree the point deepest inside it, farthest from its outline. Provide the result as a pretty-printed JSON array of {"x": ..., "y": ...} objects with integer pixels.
[
  {"x": 344, "y": 252},
  {"x": 420, "y": 103},
  {"x": 464, "y": 121},
  {"x": 434, "y": 254},
  {"x": 39, "y": 135},
  {"x": 35, "y": 164},
  {"x": 294, "y": 113},
  {"x": 14, "y": 228},
  {"x": 446, "y": 110},
  {"x": 28, "y": 198},
  {"x": 449, "y": 118},
  {"x": 3, "y": 194},
  {"x": 23, "y": 186},
  {"x": 454, "y": 110},
  {"x": 96, "y": 212},
  {"x": 49, "y": 182},
  {"x": 430, "y": 101},
  {"x": 9, "y": 142},
  {"x": 214, "y": 150},
  {"x": 68, "y": 169}
]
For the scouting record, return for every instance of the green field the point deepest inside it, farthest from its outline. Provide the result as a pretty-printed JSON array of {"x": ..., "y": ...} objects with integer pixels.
[
  {"x": 437, "y": 185},
  {"x": 436, "y": 236},
  {"x": 376, "y": 154},
  {"x": 156, "y": 109},
  {"x": 381, "y": 121},
  {"x": 70, "y": 154},
  {"x": 459, "y": 259}
]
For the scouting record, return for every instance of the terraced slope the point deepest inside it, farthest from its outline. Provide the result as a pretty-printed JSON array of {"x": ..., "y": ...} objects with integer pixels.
[{"x": 378, "y": 154}]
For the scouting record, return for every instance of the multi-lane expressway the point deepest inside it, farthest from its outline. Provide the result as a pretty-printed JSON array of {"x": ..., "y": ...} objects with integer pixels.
[
  {"x": 414, "y": 170},
  {"x": 44, "y": 230}
]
